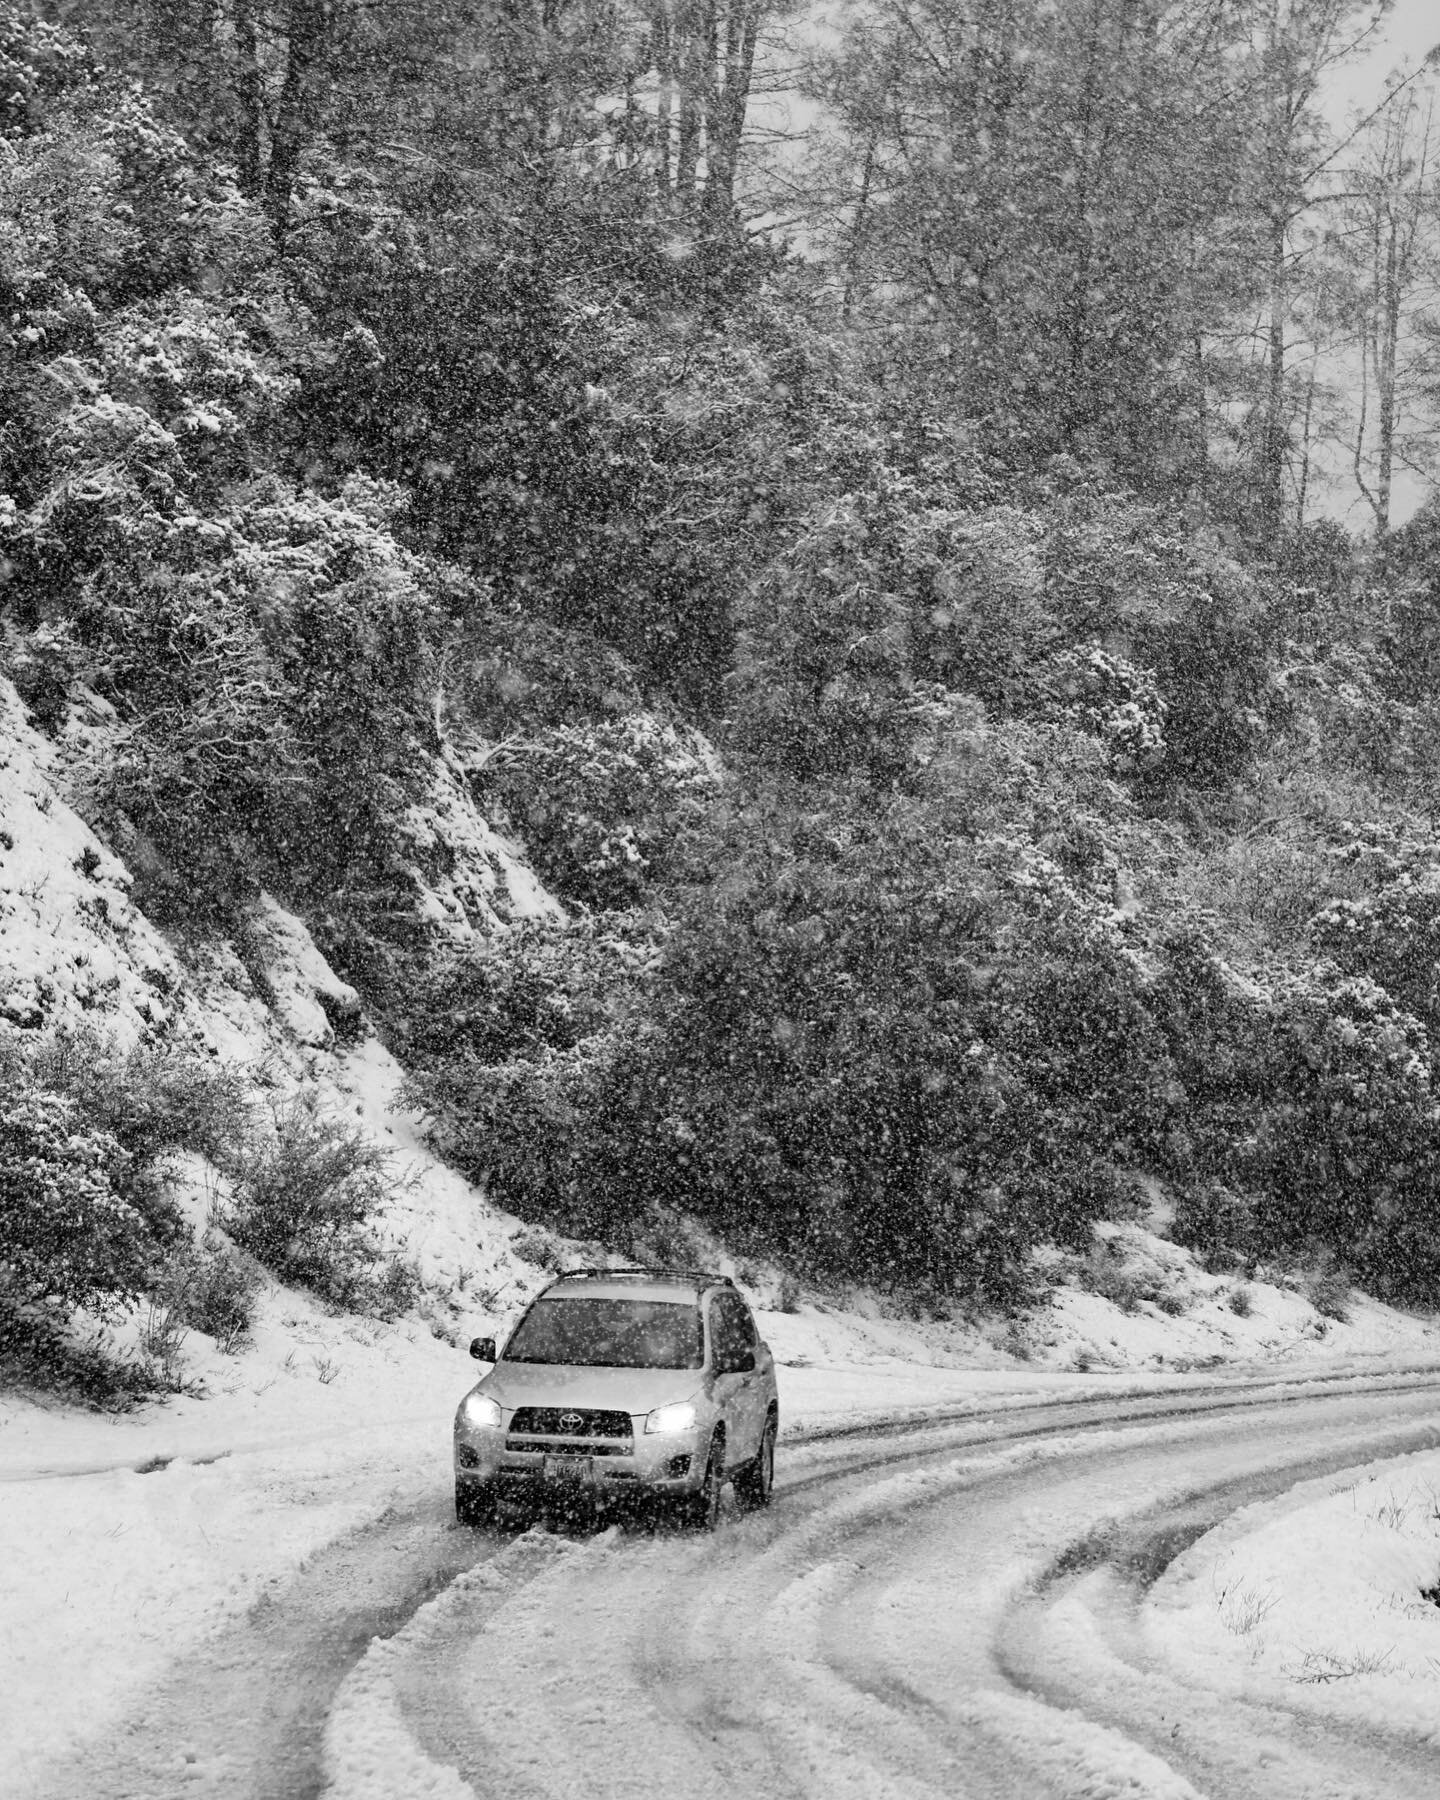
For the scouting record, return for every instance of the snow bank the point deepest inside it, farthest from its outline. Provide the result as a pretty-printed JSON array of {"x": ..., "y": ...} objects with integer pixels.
[
  {"x": 1316, "y": 1600},
  {"x": 1158, "y": 1308},
  {"x": 139, "y": 1537}
]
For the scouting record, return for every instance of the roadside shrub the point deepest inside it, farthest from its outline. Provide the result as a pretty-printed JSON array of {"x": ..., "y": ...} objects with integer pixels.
[
  {"x": 303, "y": 1198},
  {"x": 392, "y": 1288},
  {"x": 67, "y": 1234},
  {"x": 41, "y": 1350},
  {"x": 533, "y": 1131},
  {"x": 161, "y": 1339},
  {"x": 868, "y": 1045},
  {"x": 1325, "y": 1283},
  {"x": 211, "y": 1287},
  {"x": 1344, "y": 1149},
  {"x": 1316, "y": 1101},
  {"x": 150, "y": 1099},
  {"x": 153, "y": 1097},
  {"x": 1216, "y": 1223},
  {"x": 86, "y": 1219},
  {"x": 536, "y": 1246},
  {"x": 1106, "y": 1274}
]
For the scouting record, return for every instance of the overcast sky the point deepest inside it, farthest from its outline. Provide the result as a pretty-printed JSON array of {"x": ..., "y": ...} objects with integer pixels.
[
  {"x": 1411, "y": 30},
  {"x": 1407, "y": 36}
]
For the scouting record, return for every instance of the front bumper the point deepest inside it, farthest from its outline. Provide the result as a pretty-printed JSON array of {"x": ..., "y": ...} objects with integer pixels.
[{"x": 659, "y": 1462}]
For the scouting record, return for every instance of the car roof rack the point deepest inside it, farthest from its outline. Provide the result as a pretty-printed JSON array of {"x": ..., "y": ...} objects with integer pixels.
[{"x": 701, "y": 1277}]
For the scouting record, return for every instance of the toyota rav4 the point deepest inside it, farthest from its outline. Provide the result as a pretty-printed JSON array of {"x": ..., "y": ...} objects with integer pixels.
[{"x": 622, "y": 1382}]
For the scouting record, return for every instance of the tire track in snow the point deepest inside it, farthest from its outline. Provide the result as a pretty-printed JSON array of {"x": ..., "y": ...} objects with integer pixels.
[
  {"x": 893, "y": 1629},
  {"x": 242, "y": 1717},
  {"x": 725, "y": 1660},
  {"x": 1077, "y": 1639}
]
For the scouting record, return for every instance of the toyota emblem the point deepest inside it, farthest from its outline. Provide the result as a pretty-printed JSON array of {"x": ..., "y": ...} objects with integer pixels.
[{"x": 571, "y": 1422}]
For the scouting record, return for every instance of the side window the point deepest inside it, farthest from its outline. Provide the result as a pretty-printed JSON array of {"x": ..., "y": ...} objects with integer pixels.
[
  {"x": 744, "y": 1324},
  {"x": 731, "y": 1330}
]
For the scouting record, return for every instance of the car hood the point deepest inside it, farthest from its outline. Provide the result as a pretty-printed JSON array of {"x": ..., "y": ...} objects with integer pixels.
[{"x": 618, "y": 1390}]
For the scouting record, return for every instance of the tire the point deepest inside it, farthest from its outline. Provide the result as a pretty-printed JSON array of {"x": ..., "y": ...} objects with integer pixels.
[
  {"x": 702, "y": 1509},
  {"x": 755, "y": 1481},
  {"x": 474, "y": 1503}
]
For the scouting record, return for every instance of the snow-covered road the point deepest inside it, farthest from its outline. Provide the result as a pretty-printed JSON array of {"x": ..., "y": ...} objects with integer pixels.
[{"x": 956, "y": 1607}]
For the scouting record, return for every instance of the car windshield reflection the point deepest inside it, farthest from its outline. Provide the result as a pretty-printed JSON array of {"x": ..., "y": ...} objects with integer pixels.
[{"x": 612, "y": 1334}]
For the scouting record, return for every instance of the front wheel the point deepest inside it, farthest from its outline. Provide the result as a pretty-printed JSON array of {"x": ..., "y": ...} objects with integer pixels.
[
  {"x": 474, "y": 1503},
  {"x": 702, "y": 1509},
  {"x": 755, "y": 1481}
]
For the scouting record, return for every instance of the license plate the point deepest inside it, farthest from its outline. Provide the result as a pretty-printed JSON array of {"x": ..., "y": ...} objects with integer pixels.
[{"x": 568, "y": 1468}]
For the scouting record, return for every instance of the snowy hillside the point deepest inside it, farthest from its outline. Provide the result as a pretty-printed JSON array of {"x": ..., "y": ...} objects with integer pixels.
[
  {"x": 202, "y": 1506},
  {"x": 77, "y": 952},
  {"x": 74, "y": 947}
]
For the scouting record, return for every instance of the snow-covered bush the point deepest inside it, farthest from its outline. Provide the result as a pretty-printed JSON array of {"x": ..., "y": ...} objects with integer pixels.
[
  {"x": 39, "y": 64},
  {"x": 67, "y": 1234},
  {"x": 539, "y": 986},
  {"x": 826, "y": 684},
  {"x": 1118, "y": 574},
  {"x": 1215, "y": 1222},
  {"x": 153, "y": 1098},
  {"x": 264, "y": 645},
  {"x": 1388, "y": 925},
  {"x": 210, "y": 1286},
  {"x": 974, "y": 583},
  {"x": 509, "y": 1049},
  {"x": 1315, "y": 1103},
  {"x": 85, "y": 1215},
  {"x": 603, "y": 805},
  {"x": 1113, "y": 699},
  {"x": 304, "y": 1198},
  {"x": 861, "y": 1048}
]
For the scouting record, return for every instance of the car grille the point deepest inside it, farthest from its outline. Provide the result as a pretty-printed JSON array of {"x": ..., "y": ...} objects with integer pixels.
[
  {"x": 569, "y": 1422},
  {"x": 568, "y": 1447}
]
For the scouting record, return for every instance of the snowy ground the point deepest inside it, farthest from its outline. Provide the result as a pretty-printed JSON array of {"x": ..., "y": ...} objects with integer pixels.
[
  {"x": 142, "y": 1534},
  {"x": 1318, "y": 1600}
]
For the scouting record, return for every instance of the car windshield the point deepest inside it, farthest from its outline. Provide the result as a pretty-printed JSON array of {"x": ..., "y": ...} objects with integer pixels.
[{"x": 612, "y": 1334}]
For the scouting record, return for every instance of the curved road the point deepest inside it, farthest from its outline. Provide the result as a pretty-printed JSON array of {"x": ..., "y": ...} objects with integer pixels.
[{"x": 947, "y": 1607}]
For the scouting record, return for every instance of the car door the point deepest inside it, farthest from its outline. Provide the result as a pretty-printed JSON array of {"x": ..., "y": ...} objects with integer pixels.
[{"x": 739, "y": 1387}]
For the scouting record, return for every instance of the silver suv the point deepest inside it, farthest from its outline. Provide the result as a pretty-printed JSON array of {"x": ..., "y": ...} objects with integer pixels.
[{"x": 622, "y": 1383}]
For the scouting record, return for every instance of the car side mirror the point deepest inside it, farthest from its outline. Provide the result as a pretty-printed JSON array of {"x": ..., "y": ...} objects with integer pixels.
[{"x": 483, "y": 1349}]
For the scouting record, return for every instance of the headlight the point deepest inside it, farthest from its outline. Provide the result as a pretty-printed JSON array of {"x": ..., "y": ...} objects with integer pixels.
[
  {"x": 480, "y": 1411},
  {"x": 680, "y": 1417}
]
